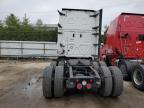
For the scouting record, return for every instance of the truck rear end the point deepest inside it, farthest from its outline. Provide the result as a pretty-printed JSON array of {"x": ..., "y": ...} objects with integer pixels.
[{"x": 78, "y": 67}]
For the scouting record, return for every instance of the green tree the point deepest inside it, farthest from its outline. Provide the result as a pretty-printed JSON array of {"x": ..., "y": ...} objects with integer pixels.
[
  {"x": 25, "y": 21},
  {"x": 15, "y": 29},
  {"x": 25, "y": 25},
  {"x": 1, "y": 23},
  {"x": 12, "y": 21},
  {"x": 39, "y": 23}
]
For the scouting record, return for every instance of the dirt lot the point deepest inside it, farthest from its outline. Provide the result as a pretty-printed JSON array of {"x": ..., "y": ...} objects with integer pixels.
[{"x": 20, "y": 87}]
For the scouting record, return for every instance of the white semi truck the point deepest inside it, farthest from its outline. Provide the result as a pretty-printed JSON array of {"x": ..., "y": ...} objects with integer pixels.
[{"x": 78, "y": 66}]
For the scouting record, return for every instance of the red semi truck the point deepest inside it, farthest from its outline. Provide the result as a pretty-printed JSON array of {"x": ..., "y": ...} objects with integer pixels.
[{"x": 124, "y": 46}]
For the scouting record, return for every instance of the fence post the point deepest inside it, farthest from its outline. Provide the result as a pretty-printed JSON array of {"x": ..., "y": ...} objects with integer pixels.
[
  {"x": 22, "y": 49},
  {"x": 0, "y": 48},
  {"x": 44, "y": 49}
]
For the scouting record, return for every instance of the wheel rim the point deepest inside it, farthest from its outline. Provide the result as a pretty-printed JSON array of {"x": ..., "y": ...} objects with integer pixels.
[{"x": 137, "y": 77}]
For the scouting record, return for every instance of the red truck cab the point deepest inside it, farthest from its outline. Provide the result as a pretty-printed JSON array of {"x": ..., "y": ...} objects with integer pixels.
[
  {"x": 124, "y": 38},
  {"x": 124, "y": 47}
]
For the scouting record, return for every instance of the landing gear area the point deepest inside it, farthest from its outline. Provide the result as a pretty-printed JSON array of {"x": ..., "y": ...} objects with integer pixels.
[
  {"x": 81, "y": 75},
  {"x": 133, "y": 71}
]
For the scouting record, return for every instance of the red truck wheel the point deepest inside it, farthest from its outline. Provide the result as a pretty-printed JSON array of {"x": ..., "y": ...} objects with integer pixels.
[
  {"x": 138, "y": 77},
  {"x": 124, "y": 66}
]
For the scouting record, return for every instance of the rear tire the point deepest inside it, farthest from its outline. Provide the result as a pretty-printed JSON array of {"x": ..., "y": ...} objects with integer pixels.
[
  {"x": 124, "y": 69},
  {"x": 47, "y": 82},
  {"x": 59, "y": 81},
  {"x": 138, "y": 77},
  {"x": 106, "y": 81},
  {"x": 117, "y": 78},
  {"x": 102, "y": 63}
]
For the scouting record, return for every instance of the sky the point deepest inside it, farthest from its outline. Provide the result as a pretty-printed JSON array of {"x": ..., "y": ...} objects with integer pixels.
[{"x": 47, "y": 9}]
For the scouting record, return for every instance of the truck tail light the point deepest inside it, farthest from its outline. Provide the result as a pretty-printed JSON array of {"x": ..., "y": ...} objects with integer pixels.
[
  {"x": 88, "y": 86},
  {"x": 79, "y": 86},
  {"x": 91, "y": 81},
  {"x": 84, "y": 82}
]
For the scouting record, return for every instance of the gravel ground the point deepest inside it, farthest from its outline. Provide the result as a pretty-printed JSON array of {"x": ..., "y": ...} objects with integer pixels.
[{"x": 20, "y": 87}]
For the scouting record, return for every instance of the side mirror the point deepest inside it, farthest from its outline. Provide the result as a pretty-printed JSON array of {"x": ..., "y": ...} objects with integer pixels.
[{"x": 124, "y": 36}]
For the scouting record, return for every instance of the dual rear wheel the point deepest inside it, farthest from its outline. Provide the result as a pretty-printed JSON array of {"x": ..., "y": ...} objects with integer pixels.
[
  {"x": 112, "y": 81},
  {"x": 53, "y": 81}
]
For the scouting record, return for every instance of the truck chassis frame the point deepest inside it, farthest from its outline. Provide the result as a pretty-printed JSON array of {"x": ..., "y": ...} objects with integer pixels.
[{"x": 69, "y": 74}]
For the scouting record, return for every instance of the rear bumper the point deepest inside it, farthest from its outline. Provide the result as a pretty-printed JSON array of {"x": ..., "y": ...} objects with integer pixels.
[{"x": 83, "y": 83}]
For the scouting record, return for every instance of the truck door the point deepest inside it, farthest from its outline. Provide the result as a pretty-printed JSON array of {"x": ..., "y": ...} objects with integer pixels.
[
  {"x": 126, "y": 43},
  {"x": 140, "y": 45}
]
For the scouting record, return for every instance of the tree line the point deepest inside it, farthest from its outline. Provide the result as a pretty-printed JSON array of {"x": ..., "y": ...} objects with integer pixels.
[{"x": 14, "y": 29}]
